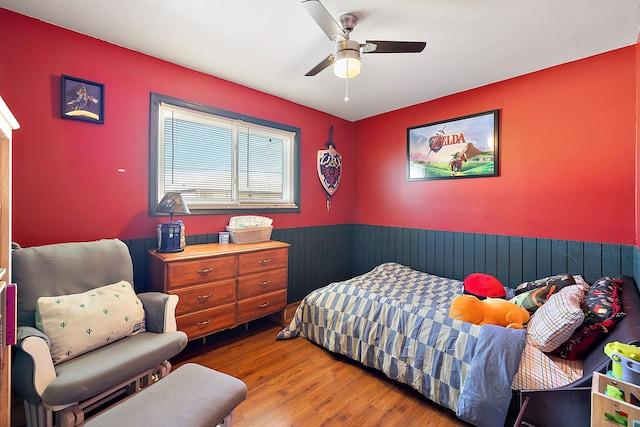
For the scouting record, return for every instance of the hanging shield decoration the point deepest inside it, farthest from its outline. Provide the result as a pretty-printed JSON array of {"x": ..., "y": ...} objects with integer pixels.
[{"x": 329, "y": 169}]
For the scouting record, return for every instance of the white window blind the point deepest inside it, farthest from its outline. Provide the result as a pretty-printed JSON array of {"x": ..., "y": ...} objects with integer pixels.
[{"x": 218, "y": 162}]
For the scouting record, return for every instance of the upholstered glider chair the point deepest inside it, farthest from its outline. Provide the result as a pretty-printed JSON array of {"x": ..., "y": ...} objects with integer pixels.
[{"x": 84, "y": 336}]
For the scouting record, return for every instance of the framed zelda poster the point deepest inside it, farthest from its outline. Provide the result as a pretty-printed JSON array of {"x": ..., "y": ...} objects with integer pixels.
[{"x": 463, "y": 147}]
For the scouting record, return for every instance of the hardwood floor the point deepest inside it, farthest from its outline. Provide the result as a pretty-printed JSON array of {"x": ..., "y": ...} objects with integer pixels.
[{"x": 297, "y": 383}]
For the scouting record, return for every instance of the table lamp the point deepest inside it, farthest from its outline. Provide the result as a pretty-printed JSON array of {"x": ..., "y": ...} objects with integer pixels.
[{"x": 171, "y": 203}]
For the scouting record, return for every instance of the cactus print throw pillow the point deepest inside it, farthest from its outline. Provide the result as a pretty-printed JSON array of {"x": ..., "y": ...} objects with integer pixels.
[{"x": 78, "y": 323}]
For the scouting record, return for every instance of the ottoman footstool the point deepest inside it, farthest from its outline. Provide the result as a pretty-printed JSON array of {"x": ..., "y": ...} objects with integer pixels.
[{"x": 190, "y": 396}]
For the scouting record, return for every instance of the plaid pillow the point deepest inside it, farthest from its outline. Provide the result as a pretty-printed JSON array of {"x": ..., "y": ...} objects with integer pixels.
[{"x": 557, "y": 319}]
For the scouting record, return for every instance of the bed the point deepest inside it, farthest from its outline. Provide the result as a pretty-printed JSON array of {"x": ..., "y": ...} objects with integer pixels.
[{"x": 405, "y": 332}]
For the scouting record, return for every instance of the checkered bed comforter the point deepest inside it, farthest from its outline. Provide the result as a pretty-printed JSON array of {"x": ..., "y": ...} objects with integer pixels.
[{"x": 394, "y": 319}]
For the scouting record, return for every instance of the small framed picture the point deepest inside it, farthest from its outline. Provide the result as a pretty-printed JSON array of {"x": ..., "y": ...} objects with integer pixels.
[{"x": 82, "y": 100}]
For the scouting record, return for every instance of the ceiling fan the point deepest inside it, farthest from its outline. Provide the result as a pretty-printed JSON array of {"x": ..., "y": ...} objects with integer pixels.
[{"x": 346, "y": 59}]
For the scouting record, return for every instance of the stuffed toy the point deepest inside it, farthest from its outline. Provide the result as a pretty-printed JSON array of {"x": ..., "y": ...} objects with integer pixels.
[
  {"x": 483, "y": 286},
  {"x": 493, "y": 311}
]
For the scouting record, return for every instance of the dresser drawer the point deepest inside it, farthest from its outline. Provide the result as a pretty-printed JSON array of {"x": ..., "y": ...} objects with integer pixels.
[
  {"x": 256, "y": 307},
  {"x": 201, "y": 271},
  {"x": 205, "y": 322},
  {"x": 262, "y": 283},
  {"x": 202, "y": 297},
  {"x": 255, "y": 262}
]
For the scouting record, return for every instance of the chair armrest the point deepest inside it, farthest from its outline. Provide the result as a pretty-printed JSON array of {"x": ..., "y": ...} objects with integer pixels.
[
  {"x": 160, "y": 311},
  {"x": 33, "y": 368},
  {"x": 25, "y": 332}
]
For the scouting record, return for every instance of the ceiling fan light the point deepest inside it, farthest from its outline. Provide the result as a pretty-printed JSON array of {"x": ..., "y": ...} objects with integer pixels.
[
  {"x": 347, "y": 68},
  {"x": 346, "y": 63}
]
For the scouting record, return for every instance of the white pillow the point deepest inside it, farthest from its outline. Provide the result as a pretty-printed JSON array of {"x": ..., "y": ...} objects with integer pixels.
[
  {"x": 79, "y": 323},
  {"x": 554, "y": 322}
]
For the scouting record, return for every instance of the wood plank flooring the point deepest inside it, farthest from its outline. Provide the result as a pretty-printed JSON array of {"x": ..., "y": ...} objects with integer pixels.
[{"x": 297, "y": 383}]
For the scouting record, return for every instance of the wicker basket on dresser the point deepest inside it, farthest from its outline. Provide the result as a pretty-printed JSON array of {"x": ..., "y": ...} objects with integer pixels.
[{"x": 221, "y": 286}]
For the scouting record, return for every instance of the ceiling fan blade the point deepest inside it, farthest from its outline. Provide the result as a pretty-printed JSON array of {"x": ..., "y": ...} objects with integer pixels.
[
  {"x": 324, "y": 19},
  {"x": 385, "y": 46},
  {"x": 321, "y": 66}
]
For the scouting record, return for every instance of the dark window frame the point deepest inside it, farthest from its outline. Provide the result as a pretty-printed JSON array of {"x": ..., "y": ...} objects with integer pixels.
[{"x": 154, "y": 198}]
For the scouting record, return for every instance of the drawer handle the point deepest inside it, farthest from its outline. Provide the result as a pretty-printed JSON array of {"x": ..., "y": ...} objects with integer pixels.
[
  {"x": 264, "y": 261},
  {"x": 265, "y": 283},
  {"x": 203, "y": 298},
  {"x": 265, "y": 305},
  {"x": 203, "y": 323},
  {"x": 205, "y": 271}
]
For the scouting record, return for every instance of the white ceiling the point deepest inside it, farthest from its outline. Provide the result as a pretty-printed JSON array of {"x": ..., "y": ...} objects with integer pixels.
[{"x": 269, "y": 45}]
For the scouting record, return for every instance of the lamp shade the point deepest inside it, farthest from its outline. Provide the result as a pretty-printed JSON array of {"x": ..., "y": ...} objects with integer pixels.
[
  {"x": 172, "y": 203},
  {"x": 346, "y": 64}
]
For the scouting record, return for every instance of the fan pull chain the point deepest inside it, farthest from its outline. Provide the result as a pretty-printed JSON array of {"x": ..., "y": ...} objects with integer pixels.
[{"x": 346, "y": 90}]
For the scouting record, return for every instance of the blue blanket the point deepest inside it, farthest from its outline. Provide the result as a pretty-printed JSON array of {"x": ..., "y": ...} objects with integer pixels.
[
  {"x": 485, "y": 399},
  {"x": 394, "y": 319}
]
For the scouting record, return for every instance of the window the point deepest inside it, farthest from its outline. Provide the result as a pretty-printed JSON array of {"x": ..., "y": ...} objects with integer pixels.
[{"x": 222, "y": 161}]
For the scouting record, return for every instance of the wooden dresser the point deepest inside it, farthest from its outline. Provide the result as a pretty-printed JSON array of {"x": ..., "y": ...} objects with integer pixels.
[{"x": 223, "y": 285}]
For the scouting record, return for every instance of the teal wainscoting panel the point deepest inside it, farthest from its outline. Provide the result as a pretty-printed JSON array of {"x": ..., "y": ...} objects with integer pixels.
[
  {"x": 491, "y": 254},
  {"x": 512, "y": 259},
  {"x": 559, "y": 255},
  {"x": 529, "y": 258},
  {"x": 575, "y": 256},
  {"x": 458, "y": 254},
  {"x": 140, "y": 257},
  {"x": 323, "y": 254},
  {"x": 543, "y": 257},
  {"x": 502, "y": 254}
]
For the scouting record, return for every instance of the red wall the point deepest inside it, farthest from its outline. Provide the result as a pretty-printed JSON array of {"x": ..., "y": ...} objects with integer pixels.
[
  {"x": 66, "y": 184},
  {"x": 567, "y": 158},
  {"x": 637, "y": 93},
  {"x": 567, "y": 148}
]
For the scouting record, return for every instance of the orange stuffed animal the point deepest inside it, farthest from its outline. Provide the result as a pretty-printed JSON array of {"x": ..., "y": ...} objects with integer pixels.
[{"x": 493, "y": 311}]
